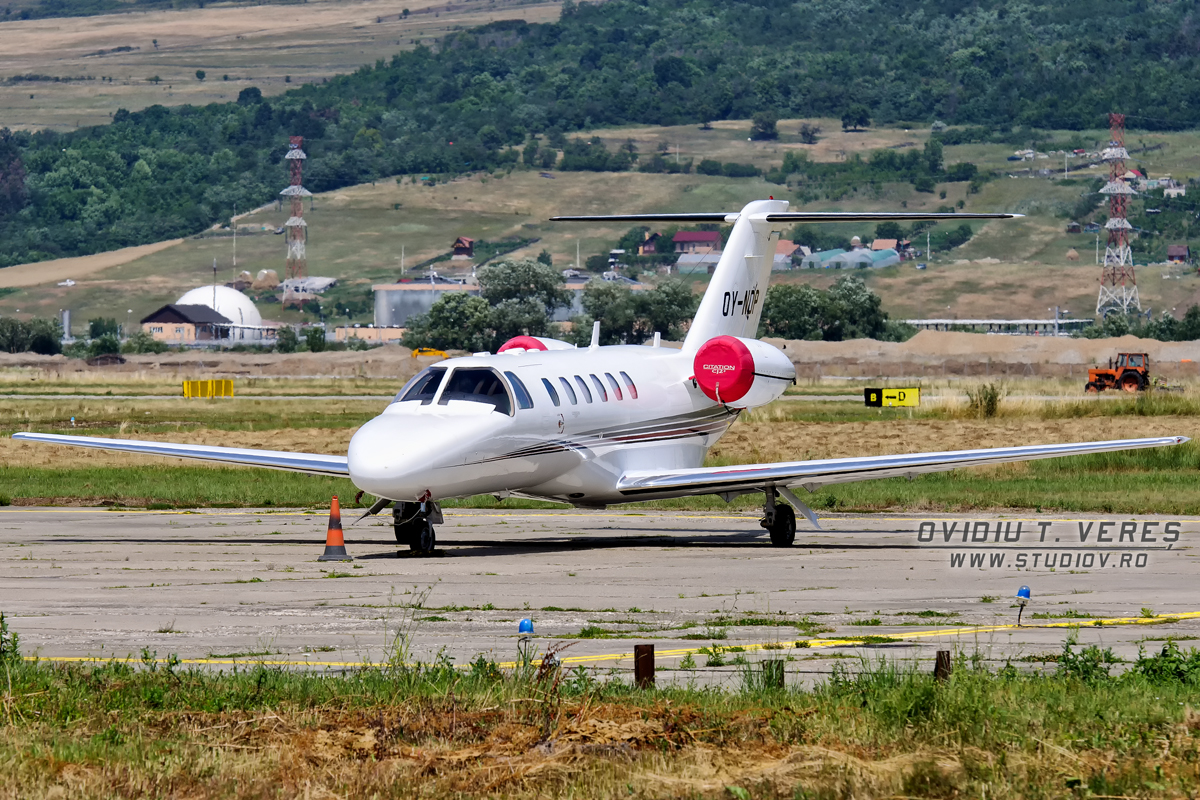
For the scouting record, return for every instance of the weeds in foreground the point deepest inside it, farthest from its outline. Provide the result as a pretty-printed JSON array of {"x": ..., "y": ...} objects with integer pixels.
[{"x": 878, "y": 729}]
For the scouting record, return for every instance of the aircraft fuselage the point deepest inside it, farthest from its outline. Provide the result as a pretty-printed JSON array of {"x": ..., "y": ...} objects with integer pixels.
[{"x": 558, "y": 424}]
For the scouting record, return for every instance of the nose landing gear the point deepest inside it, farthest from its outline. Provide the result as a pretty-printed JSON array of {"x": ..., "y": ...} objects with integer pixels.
[
  {"x": 779, "y": 519},
  {"x": 413, "y": 524}
]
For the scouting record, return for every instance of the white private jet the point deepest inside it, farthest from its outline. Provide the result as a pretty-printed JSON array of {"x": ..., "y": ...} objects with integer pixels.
[{"x": 603, "y": 425}]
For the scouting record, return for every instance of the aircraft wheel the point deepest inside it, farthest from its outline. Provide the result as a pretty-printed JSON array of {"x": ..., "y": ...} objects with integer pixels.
[
  {"x": 425, "y": 539},
  {"x": 783, "y": 531},
  {"x": 405, "y": 523}
]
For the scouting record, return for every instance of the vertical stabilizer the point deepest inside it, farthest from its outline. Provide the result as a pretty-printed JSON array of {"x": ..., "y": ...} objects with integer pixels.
[{"x": 732, "y": 305}]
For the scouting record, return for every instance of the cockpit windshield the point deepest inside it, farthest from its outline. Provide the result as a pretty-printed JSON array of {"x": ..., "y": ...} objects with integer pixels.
[
  {"x": 423, "y": 387},
  {"x": 477, "y": 385}
]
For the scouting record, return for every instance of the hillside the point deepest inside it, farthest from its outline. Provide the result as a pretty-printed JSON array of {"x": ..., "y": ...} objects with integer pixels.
[
  {"x": 357, "y": 232},
  {"x": 472, "y": 102},
  {"x": 62, "y": 74}
]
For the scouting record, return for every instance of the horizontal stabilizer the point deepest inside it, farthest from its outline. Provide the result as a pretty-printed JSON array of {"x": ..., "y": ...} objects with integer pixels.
[
  {"x": 794, "y": 216},
  {"x": 311, "y": 463}
]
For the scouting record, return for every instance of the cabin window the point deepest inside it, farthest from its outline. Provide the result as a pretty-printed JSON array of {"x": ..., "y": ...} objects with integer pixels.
[
  {"x": 477, "y": 385},
  {"x": 583, "y": 388},
  {"x": 423, "y": 387},
  {"x": 600, "y": 390},
  {"x": 566, "y": 384},
  {"x": 629, "y": 384},
  {"x": 550, "y": 391},
  {"x": 616, "y": 387},
  {"x": 524, "y": 400}
]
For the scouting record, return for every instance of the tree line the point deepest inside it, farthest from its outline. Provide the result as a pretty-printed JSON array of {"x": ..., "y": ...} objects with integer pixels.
[{"x": 478, "y": 101}]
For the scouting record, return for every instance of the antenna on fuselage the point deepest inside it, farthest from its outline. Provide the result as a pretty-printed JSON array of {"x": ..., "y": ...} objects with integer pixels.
[{"x": 595, "y": 335}]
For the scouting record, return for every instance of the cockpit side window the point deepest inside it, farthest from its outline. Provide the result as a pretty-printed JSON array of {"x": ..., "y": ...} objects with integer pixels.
[
  {"x": 423, "y": 387},
  {"x": 523, "y": 398},
  {"x": 477, "y": 385}
]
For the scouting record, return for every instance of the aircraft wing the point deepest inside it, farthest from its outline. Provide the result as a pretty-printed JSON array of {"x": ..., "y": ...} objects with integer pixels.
[
  {"x": 812, "y": 475},
  {"x": 311, "y": 463}
]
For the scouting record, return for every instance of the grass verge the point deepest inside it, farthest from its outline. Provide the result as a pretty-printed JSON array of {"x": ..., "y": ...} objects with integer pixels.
[
  {"x": 1158, "y": 481},
  {"x": 881, "y": 729}
]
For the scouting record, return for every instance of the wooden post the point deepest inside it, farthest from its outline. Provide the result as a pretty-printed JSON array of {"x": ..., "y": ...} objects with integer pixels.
[
  {"x": 772, "y": 674},
  {"x": 941, "y": 670},
  {"x": 643, "y": 666}
]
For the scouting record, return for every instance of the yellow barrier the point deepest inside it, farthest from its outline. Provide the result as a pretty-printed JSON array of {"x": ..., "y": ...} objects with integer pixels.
[{"x": 214, "y": 388}]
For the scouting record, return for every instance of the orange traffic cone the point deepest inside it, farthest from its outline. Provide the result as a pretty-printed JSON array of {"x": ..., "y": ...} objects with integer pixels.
[{"x": 335, "y": 547}]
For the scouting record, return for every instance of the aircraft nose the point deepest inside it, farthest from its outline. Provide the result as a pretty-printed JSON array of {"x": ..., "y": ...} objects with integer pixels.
[{"x": 393, "y": 455}]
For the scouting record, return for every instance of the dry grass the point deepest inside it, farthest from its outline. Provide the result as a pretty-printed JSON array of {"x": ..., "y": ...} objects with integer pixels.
[
  {"x": 890, "y": 730},
  {"x": 256, "y": 45}
]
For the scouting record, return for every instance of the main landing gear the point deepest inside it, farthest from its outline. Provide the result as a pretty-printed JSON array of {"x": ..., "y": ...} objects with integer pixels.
[
  {"x": 413, "y": 524},
  {"x": 779, "y": 519}
]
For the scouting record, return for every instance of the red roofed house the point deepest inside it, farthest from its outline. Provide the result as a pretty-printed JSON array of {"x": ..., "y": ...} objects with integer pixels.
[{"x": 697, "y": 242}]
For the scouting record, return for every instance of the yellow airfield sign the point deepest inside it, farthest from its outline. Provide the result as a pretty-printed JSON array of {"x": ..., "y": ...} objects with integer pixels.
[{"x": 887, "y": 398}]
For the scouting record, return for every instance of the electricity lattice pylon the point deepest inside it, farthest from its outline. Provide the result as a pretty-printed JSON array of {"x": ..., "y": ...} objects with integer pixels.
[
  {"x": 1118, "y": 284},
  {"x": 297, "y": 228}
]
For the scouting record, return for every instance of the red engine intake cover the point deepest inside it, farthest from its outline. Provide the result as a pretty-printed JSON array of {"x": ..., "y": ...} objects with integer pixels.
[
  {"x": 522, "y": 342},
  {"x": 724, "y": 369}
]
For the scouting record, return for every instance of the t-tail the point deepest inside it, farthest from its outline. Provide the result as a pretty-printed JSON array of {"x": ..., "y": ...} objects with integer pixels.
[{"x": 732, "y": 305}]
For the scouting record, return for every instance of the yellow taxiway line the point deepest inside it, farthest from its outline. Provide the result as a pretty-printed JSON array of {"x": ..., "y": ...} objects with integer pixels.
[{"x": 677, "y": 653}]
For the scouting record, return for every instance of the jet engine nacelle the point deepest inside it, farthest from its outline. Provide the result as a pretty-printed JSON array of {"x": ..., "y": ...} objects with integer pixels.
[
  {"x": 742, "y": 373},
  {"x": 534, "y": 343}
]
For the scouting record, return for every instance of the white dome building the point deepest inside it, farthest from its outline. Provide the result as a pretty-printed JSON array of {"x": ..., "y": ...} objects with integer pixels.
[{"x": 229, "y": 303}]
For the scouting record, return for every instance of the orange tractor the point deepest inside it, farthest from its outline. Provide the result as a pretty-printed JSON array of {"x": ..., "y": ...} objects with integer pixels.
[{"x": 1131, "y": 373}]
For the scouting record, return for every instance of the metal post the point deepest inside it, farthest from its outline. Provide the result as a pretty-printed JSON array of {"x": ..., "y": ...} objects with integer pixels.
[
  {"x": 643, "y": 666},
  {"x": 942, "y": 668}
]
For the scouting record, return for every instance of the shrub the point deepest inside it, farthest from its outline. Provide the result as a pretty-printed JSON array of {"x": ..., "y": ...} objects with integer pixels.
[
  {"x": 315, "y": 339},
  {"x": 286, "y": 341},
  {"x": 984, "y": 401}
]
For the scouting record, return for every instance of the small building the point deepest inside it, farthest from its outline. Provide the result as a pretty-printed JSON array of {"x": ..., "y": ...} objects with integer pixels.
[
  {"x": 862, "y": 258},
  {"x": 396, "y": 302},
  {"x": 697, "y": 242},
  {"x": 821, "y": 259},
  {"x": 649, "y": 245},
  {"x": 464, "y": 247},
  {"x": 1175, "y": 191},
  {"x": 885, "y": 244},
  {"x": 1074, "y": 227},
  {"x": 185, "y": 324},
  {"x": 697, "y": 263},
  {"x": 1092, "y": 227},
  {"x": 1178, "y": 254},
  {"x": 368, "y": 333}
]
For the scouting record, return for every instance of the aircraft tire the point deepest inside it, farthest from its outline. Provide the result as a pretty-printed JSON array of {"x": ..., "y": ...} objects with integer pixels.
[
  {"x": 783, "y": 532},
  {"x": 424, "y": 538},
  {"x": 408, "y": 530}
]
